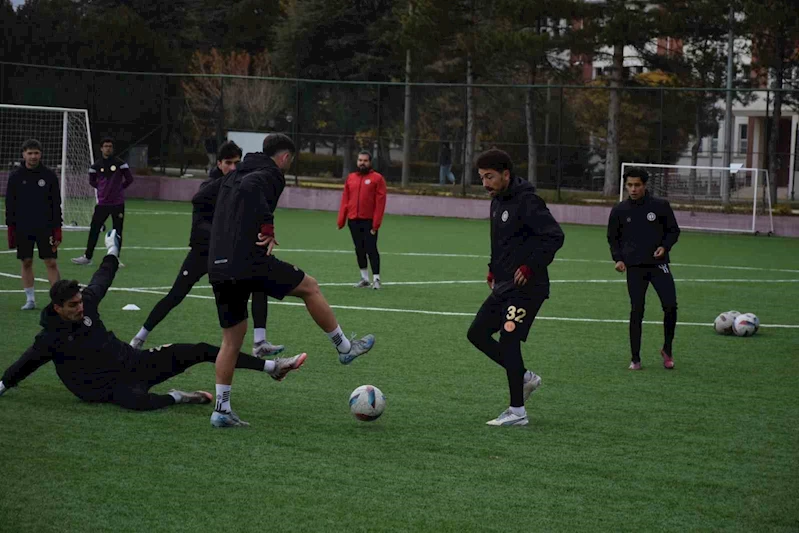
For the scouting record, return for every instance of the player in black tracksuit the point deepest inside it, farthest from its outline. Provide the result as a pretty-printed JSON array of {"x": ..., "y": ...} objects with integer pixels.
[
  {"x": 96, "y": 366},
  {"x": 641, "y": 232},
  {"x": 195, "y": 266},
  {"x": 240, "y": 261},
  {"x": 524, "y": 239},
  {"x": 33, "y": 216}
]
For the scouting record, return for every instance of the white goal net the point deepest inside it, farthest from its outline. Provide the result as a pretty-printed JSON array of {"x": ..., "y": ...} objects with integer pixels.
[
  {"x": 66, "y": 149},
  {"x": 706, "y": 198}
]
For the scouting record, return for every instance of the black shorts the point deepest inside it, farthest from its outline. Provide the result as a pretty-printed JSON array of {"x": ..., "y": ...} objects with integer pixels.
[
  {"x": 275, "y": 278},
  {"x": 511, "y": 312},
  {"x": 42, "y": 238}
]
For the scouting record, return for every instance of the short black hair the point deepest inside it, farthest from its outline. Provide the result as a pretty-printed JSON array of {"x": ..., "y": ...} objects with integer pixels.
[
  {"x": 228, "y": 150},
  {"x": 31, "y": 144},
  {"x": 366, "y": 152},
  {"x": 278, "y": 142},
  {"x": 106, "y": 140},
  {"x": 495, "y": 159},
  {"x": 63, "y": 290},
  {"x": 636, "y": 172}
]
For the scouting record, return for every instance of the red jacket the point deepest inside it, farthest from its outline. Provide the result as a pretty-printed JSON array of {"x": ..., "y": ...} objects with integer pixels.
[{"x": 364, "y": 197}]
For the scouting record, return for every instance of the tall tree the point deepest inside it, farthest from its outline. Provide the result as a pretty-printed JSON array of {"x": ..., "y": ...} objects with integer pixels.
[
  {"x": 773, "y": 27},
  {"x": 607, "y": 28},
  {"x": 532, "y": 37}
]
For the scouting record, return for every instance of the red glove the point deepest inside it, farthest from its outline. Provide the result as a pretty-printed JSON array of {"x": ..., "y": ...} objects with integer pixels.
[
  {"x": 526, "y": 272},
  {"x": 12, "y": 237},
  {"x": 268, "y": 230},
  {"x": 490, "y": 277},
  {"x": 57, "y": 238}
]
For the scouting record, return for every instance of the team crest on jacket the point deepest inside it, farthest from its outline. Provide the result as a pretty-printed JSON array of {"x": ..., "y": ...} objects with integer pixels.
[
  {"x": 87, "y": 321},
  {"x": 504, "y": 216},
  {"x": 113, "y": 168},
  {"x": 651, "y": 216},
  {"x": 367, "y": 182},
  {"x": 40, "y": 183}
]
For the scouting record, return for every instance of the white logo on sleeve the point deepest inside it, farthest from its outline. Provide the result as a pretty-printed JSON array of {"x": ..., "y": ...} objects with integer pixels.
[
  {"x": 113, "y": 168},
  {"x": 87, "y": 321},
  {"x": 41, "y": 183},
  {"x": 504, "y": 216},
  {"x": 651, "y": 216}
]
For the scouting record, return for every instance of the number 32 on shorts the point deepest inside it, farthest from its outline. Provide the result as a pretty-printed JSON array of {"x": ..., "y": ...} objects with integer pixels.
[{"x": 516, "y": 314}]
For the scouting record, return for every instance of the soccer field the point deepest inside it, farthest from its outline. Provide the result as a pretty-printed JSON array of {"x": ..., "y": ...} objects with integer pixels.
[{"x": 711, "y": 445}]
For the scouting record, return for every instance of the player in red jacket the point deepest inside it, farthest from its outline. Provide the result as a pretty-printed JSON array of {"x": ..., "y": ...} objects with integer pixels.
[{"x": 362, "y": 206}]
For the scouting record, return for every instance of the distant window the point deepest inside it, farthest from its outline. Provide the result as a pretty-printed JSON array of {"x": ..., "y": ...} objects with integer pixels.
[{"x": 743, "y": 138}]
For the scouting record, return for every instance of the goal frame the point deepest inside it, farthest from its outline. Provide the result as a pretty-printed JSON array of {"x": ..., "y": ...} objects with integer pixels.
[
  {"x": 62, "y": 183},
  {"x": 732, "y": 169}
]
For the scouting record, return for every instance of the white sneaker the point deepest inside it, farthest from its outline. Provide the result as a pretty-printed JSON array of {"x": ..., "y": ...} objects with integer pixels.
[
  {"x": 531, "y": 386},
  {"x": 29, "y": 305},
  {"x": 82, "y": 260},
  {"x": 284, "y": 365},
  {"x": 376, "y": 284},
  {"x": 137, "y": 343},
  {"x": 266, "y": 349},
  {"x": 361, "y": 284},
  {"x": 507, "y": 418},
  {"x": 227, "y": 420}
]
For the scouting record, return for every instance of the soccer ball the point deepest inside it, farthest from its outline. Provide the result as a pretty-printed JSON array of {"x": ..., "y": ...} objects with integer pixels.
[
  {"x": 724, "y": 322},
  {"x": 367, "y": 403},
  {"x": 746, "y": 325}
]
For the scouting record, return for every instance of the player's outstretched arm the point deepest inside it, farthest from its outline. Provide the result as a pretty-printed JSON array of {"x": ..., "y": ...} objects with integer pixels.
[
  {"x": 30, "y": 361},
  {"x": 101, "y": 281}
]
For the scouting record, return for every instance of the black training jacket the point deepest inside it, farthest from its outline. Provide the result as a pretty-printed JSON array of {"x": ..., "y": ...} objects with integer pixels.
[
  {"x": 637, "y": 228},
  {"x": 247, "y": 199},
  {"x": 89, "y": 359},
  {"x": 523, "y": 232},
  {"x": 202, "y": 212},
  {"x": 33, "y": 199}
]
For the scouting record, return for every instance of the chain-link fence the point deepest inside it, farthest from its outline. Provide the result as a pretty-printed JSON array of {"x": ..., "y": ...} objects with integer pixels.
[{"x": 559, "y": 131}]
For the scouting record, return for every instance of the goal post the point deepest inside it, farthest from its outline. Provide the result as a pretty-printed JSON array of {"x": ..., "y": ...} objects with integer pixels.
[
  {"x": 65, "y": 136},
  {"x": 696, "y": 194}
]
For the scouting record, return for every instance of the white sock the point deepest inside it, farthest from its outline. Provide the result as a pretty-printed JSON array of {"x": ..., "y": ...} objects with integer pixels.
[
  {"x": 29, "y": 294},
  {"x": 177, "y": 395},
  {"x": 142, "y": 334},
  {"x": 528, "y": 376},
  {"x": 259, "y": 335},
  {"x": 338, "y": 339},
  {"x": 376, "y": 277},
  {"x": 269, "y": 366},
  {"x": 365, "y": 274},
  {"x": 222, "y": 398},
  {"x": 518, "y": 411}
]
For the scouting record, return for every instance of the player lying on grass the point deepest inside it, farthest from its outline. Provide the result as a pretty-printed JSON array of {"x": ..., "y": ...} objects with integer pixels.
[{"x": 97, "y": 367}]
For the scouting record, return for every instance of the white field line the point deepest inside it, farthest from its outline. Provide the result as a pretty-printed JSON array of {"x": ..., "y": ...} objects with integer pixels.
[
  {"x": 422, "y": 311},
  {"x": 443, "y": 255}
]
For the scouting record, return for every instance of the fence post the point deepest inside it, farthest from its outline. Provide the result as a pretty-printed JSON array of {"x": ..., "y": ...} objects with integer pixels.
[
  {"x": 379, "y": 107},
  {"x": 559, "y": 175},
  {"x": 296, "y": 125},
  {"x": 164, "y": 136},
  {"x": 660, "y": 129}
]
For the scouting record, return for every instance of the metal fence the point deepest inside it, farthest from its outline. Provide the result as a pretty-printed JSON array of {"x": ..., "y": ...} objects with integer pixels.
[{"x": 180, "y": 117}]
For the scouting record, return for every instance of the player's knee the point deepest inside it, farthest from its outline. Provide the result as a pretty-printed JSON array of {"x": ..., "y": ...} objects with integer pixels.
[
  {"x": 308, "y": 287},
  {"x": 670, "y": 308},
  {"x": 637, "y": 312},
  {"x": 477, "y": 335},
  {"x": 50, "y": 263},
  {"x": 27, "y": 262}
]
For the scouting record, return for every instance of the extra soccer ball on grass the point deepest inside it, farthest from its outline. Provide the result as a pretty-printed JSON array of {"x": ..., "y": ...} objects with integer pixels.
[
  {"x": 746, "y": 325},
  {"x": 724, "y": 322},
  {"x": 367, "y": 403}
]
